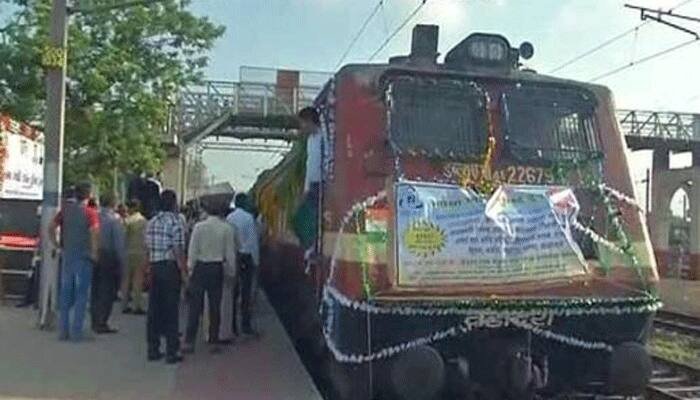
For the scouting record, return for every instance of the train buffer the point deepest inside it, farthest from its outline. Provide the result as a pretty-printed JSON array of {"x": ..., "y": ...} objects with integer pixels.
[{"x": 34, "y": 365}]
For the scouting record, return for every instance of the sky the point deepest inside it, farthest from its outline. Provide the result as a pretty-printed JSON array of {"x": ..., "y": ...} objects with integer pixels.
[{"x": 313, "y": 35}]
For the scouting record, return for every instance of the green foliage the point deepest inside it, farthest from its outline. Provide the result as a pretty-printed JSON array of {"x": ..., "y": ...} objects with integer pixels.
[{"x": 124, "y": 69}]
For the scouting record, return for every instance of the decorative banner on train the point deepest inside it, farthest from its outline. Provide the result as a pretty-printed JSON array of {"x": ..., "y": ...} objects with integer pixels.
[
  {"x": 21, "y": 161},
  {"x": 448, "y": 235}
]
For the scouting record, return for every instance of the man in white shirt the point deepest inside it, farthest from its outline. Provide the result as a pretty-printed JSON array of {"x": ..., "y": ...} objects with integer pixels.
[
  {"x": 309, "y": 126},
  {"x": 210, "y": 261},
  {"x": 248, "y": 259}
]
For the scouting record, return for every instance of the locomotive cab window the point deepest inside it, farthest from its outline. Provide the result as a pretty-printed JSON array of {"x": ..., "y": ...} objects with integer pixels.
[
  {"x": 564, "y": 120},
  {"x": 444, "y": 118}
]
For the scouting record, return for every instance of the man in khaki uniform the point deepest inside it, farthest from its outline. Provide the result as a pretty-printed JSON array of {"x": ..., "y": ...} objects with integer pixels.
[{"x": 132, "y": 284}]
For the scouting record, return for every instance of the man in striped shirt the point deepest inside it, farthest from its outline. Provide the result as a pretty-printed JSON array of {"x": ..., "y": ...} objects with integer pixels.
[{"x": 165, "y": 244}]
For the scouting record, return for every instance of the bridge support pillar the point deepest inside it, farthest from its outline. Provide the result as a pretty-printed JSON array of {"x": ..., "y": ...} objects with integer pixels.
[
  {"x": 171, "y": 172},
  {"x": 660, "y": 215},
  {"x": 693, "y": 188},
  {"x": 182, "y": 176},
  {"x": 665, "y": 183}
]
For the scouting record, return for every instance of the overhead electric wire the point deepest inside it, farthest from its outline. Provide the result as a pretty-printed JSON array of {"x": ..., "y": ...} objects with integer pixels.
[
  {"x": 598, "y": 47},
  {"x": 644, "y": 59},
  {"x": 612, "y": 40},
  {"x": 398, "y": 29},
  {"x": 360, "y": 32},
  {"x": 385, "y": 26}
]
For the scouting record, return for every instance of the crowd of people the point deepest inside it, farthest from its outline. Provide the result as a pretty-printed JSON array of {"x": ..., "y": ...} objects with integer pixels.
[{"x": 114, "y": 253}]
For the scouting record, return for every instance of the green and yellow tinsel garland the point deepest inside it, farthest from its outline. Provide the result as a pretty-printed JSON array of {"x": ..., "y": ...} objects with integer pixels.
[{"x": 278, "y": 193}]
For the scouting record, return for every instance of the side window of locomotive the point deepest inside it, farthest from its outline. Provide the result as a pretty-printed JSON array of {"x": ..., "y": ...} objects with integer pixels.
[
  {"x": 437, "y": 118},
  {"x": 550, "y": 125}
]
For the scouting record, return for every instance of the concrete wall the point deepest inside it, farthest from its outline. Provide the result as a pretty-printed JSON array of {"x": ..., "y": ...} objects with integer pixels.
[{"x": 680, "y": 296}]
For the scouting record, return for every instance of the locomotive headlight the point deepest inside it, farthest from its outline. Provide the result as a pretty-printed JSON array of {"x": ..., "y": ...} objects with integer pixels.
[{"x": 483, "y": 50}]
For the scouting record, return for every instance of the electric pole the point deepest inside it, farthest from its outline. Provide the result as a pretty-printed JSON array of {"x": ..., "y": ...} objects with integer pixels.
[
  {"x": 55, "y": 63},
  {"x": 662, "y": 17}
]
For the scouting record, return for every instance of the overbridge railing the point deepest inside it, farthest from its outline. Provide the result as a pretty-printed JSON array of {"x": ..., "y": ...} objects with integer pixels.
[
  {"x": 660, "y": 124},
  {"x": 199, "y": 104}
]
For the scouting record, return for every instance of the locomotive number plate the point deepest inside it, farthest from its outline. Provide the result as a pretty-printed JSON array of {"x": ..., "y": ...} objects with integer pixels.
[{"x": 512, "y": 174}]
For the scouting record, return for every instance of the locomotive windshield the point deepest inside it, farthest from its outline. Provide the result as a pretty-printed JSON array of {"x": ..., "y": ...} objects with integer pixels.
[
  {"x": 445, "y": 118},
  {"x": 550, "y": 125}
]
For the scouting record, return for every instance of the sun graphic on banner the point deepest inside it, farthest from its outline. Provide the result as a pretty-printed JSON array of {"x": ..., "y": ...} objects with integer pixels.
[{"x": 424, "y": 238}]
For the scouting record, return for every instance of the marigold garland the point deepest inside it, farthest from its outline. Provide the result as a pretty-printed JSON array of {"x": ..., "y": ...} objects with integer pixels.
[{"x": 486, "y": 183}]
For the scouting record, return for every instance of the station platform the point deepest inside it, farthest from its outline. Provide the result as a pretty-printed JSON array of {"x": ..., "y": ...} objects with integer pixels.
[{"x": 35, "y": 365}]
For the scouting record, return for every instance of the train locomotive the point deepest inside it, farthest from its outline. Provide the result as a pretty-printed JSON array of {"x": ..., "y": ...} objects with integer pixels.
[{"x": 479, "y": 236}]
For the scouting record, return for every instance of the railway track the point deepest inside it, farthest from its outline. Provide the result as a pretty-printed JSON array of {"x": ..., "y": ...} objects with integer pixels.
[
  {"x": 677, "y": 322},
  {"x": 673, "y": 381},
  {"x": 670, "y": 380}
]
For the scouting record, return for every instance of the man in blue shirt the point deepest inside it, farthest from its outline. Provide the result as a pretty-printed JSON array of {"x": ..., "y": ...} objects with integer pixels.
[
  {"x": 80, "y": 227},
  {"x": 110, "y": 264},
  {"x": 248, "y": 260}
]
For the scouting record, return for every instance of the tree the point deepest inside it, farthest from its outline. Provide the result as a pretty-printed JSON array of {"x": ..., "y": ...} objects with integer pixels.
[{"x": 125, "y": 67}]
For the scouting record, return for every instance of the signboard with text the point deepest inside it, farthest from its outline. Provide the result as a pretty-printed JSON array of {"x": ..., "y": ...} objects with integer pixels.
[
  {"x": 21, "y": 161},
  {"x": 448, "y": 235}
]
